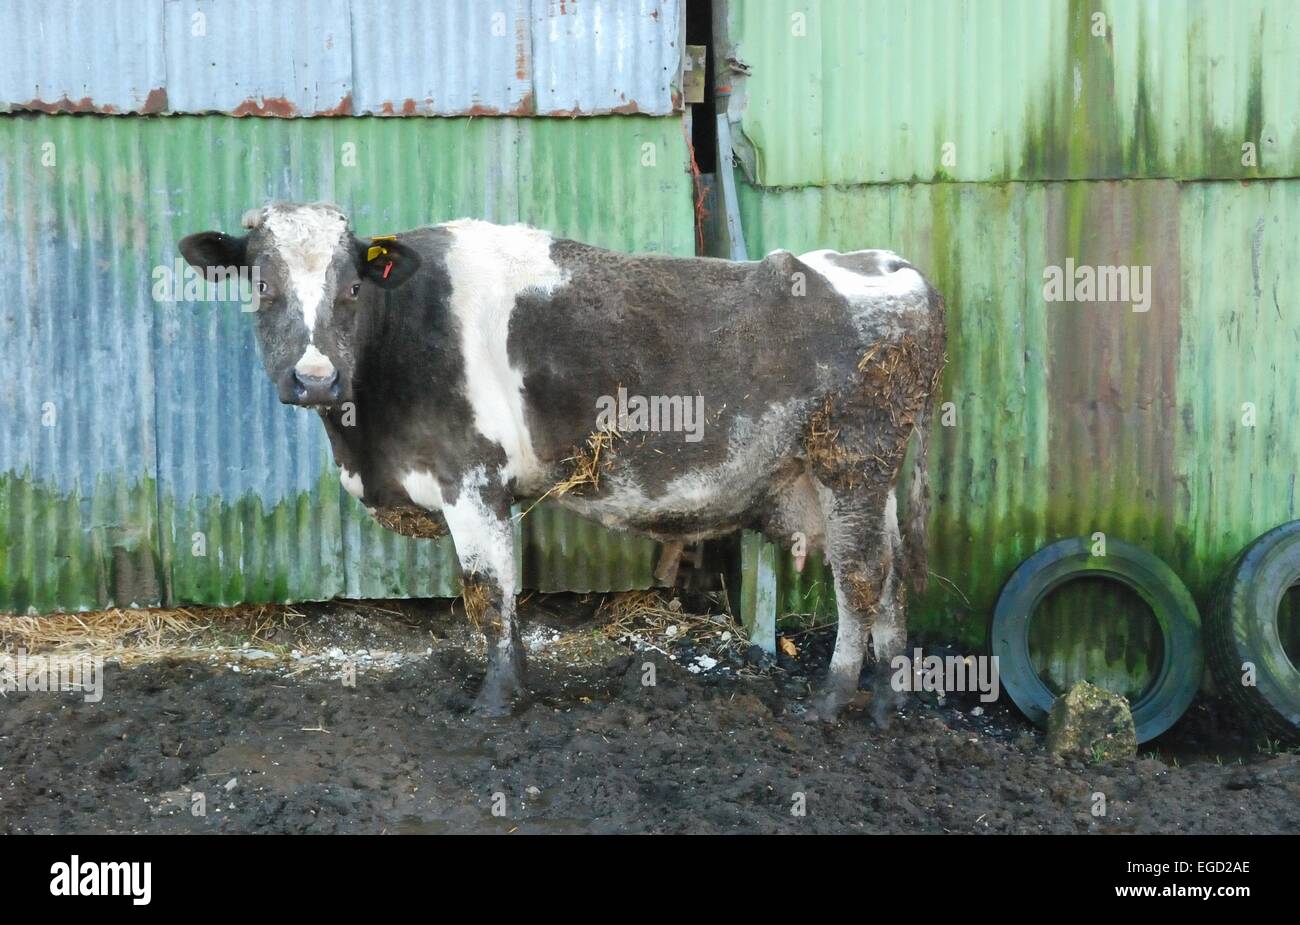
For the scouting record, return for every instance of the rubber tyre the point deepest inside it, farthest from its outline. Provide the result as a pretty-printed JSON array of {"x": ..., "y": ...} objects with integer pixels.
[
  {"x": 1180, "y": 674},
  {"x": 1242, "y": 627}
]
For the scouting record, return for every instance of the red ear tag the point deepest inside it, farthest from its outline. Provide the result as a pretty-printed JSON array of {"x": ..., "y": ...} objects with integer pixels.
[{"x": 388, "y": 268}]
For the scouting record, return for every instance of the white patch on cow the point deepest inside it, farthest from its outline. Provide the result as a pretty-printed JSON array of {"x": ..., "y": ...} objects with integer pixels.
[
  {"x": 254, "y": 217},
  {"x": 485, "y": 543},
  {"x": 351, "y": 482},
  {"x": 490, "y": 266},
  {"x": 755, "y": 450},
  {"x": 854, "y": 286},
  {"x": 306, "y": 238},
  {"x": 422, "y": 488},
  {"x": 314, "y": 363}
]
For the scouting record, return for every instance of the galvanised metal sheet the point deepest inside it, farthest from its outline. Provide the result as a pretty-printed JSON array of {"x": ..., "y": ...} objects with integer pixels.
[
  {"x": 607, "y": 56},
  {"x": 70, "y": 56},
  {"x": 869, "y": 91},
  {"x": 248, "y": 58},
  {"x": 456, "y": 57},
  {"x": 340, "y": 57},
  {"x": 78, "y": 505},
  {"x": 1070, "y": 418},
  {"x": 173, "y": 471}
]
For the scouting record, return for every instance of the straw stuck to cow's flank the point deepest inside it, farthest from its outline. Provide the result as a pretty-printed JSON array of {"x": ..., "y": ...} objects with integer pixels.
[{"x": 412, "y": 521}]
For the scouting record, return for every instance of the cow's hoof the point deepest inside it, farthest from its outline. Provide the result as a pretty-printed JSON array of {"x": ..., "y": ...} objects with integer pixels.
[
  {"x": 497, "y": 700},
  {"x": 885, "y": 702},
  {"x": 502, "y": 689},
  {"x": 829, "y": 705},
  {"x": 492, "y": 705}
]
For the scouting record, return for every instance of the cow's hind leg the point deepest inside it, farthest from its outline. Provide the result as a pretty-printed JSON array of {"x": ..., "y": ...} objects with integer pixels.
[
  {"x": 889, "y": 630},
  {"x": 861, "y": 559}
]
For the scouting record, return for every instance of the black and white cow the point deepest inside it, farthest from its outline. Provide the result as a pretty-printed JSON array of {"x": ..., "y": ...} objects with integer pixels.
[{"x": 462, "y": 366}]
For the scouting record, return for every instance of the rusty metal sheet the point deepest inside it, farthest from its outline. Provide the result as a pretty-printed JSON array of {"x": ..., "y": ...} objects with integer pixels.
[
  {"x": 66, "y": 56},
  {"x": 618, "y": 56},
  {"x": 341, "y": 57},
  {"x": 458, "y": 57},
  {"x": 246, "y": 58}
]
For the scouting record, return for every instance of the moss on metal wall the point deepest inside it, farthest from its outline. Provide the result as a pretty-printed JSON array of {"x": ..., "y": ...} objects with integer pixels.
[
  {"x": 867, "y": 91},
  {"x": 1069, "y": 418},
  {"x": 163, "y": 424}
]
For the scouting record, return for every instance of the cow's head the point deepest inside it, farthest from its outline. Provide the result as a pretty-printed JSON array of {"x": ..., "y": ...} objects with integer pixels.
[{"x": 314, "y": 281}]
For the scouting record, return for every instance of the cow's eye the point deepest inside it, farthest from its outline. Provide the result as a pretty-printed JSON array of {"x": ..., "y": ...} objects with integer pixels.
[{"x": 356, "y": 290}]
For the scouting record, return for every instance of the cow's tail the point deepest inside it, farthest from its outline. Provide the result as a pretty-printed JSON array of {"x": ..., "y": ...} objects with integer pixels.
[{"x": 916, "y": 566}]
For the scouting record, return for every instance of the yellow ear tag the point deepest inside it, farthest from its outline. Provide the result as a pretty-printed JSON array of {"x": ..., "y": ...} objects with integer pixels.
[{"x": 377, "y": 250}]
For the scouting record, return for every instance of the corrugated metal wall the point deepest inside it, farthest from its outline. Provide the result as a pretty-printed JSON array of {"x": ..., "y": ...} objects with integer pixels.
[
  {"x": 166, "y": 426},
  {"x": 143, "y": 455},
  {"x": 1075, "y": 417},
  {"x": 342, "y": 57},
  {"x": 1069, "y": 417},
  {"x": 869, "y": 91}
]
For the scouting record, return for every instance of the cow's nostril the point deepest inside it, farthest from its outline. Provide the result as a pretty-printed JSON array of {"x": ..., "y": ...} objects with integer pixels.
[
  {"x": 315, "y": 390},
  {"x": 316, "y": 382}
]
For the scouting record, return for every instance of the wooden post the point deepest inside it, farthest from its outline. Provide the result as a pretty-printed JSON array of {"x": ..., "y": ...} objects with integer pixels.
[{"x": 758, "y": 590}]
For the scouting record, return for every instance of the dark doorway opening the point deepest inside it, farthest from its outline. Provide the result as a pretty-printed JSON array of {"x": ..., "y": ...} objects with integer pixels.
[{"x": 704, "y": 139}]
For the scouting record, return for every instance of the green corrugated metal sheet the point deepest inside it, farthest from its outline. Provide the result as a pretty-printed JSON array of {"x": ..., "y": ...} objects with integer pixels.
[
  {"x": 168, "y": 427},
  {"x": 1241, "y": 337},
  {"x": 564, "y": 552},
  {"x": 865, "y": 91},
  {"x": 1080, "y": 417},
  {"x": 1097, "y": 630}
]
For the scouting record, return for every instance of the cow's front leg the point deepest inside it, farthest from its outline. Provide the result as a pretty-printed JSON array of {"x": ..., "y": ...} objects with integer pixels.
[
  {"x": 479, "y": 521},
  {"x": 492, "y": 608}
]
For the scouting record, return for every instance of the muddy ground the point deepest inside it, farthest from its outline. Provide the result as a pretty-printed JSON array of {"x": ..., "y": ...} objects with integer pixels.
[{"x": 274, "y": 741}]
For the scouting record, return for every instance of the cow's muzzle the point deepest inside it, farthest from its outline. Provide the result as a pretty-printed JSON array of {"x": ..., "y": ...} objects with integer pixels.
[{"x": 316, "y": 390}]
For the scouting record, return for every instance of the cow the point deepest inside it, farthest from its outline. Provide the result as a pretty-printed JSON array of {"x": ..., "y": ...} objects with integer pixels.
[{"x": 464, "y": 366}]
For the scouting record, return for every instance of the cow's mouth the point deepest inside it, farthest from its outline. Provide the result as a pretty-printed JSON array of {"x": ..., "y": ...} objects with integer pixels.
[
  {"x": 314, "y": 391},
  {"x": 317, "y": 404}
]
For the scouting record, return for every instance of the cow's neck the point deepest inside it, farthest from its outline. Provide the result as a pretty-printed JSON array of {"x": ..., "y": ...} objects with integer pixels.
[{"x": 408, "y": 371}]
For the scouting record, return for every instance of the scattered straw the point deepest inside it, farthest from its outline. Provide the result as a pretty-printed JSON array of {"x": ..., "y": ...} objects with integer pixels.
[
  {"x": 131, "y": 635},
  {"x": 647, "y": 615},
  {"x": 587, "y": 463}
]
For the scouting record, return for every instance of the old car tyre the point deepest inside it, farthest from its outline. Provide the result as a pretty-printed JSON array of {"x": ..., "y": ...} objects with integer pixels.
[
  {"x": 1242, "y": 632},
  {"x": 1179, "y": 675}
]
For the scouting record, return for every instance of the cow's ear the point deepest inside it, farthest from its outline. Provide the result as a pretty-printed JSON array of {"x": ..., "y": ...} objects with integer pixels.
[
  {"x": 213, "y": 249},
  {"x": 387, "y": 262}
]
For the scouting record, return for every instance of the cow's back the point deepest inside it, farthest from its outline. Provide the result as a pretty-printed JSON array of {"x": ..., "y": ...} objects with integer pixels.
[{"x": 743, "y": 335}]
